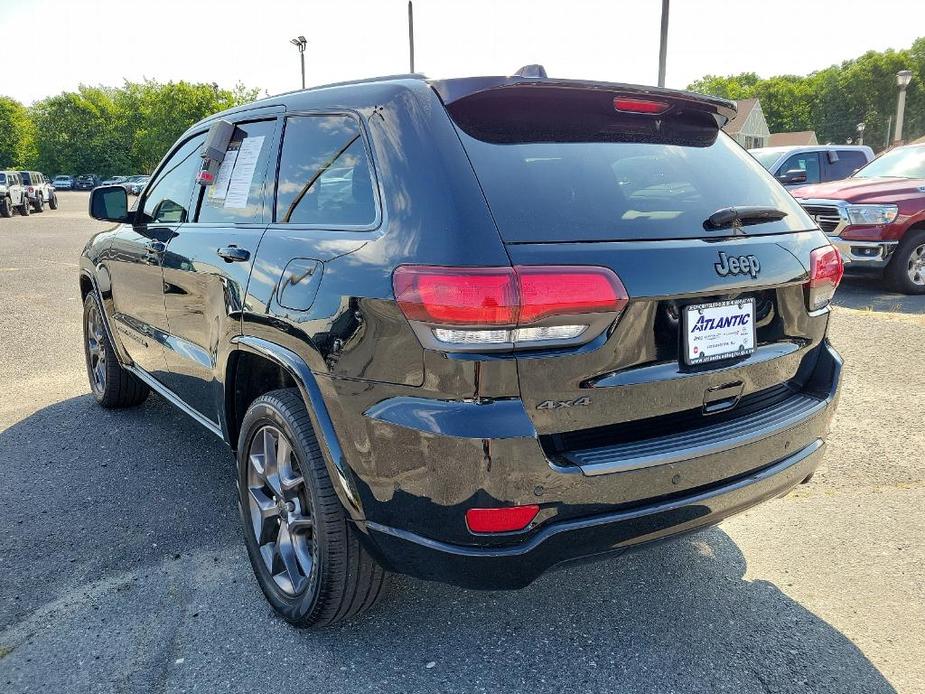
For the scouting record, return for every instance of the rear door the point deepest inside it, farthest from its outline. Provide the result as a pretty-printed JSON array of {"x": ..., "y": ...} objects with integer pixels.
[
  {"x": 207, "y": 264},
  {"x": 634, "y": 194}
]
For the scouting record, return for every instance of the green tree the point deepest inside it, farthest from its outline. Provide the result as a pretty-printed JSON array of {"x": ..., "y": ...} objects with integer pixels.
[
  {"x": 17, "y": 134},
  {"x": 834, "y": 100},
  {"x": 122, "y": 130}
]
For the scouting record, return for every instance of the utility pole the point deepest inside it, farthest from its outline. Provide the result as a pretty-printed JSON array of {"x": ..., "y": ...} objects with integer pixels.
[
  {"x": 411, "y": 34},
  {"x": 889, "y": 129},
  {"x": 663, "y": 45},
  {"x": 903, "y": 77}
]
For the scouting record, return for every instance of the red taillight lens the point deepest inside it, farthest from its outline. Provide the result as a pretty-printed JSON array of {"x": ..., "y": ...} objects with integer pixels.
[
  {"x": 463, "y": 296},
  {"x": 628, "y": 105},
  {"x": 548, "y": 291},
  {"x": 503, "y": 307},
  {"x": 825, "y": 272},
  {"x": 500, "y": 520}
]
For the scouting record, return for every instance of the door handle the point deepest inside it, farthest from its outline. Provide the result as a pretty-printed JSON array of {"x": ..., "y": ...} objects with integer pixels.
[{"x": 233, "y": 254}]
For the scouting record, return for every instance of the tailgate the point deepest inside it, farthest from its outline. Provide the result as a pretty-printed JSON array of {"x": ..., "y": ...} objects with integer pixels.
[{"x": 636, "y": 371}]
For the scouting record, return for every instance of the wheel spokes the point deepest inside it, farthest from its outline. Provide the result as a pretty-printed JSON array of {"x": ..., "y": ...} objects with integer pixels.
[{"x": 279, "y": 513}]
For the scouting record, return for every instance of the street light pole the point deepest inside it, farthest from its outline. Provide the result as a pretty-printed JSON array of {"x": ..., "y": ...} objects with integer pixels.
[
  {"x": 300, "y": 42},
  {"x": 663, "y": 45},
  {"x": 411, "y": 34},
  {"x": 861, "y": 127},
  {"x": 903, "y": 77}
]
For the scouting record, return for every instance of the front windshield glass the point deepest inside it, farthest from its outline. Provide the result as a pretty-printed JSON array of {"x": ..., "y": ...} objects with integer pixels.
[
  {"x": 766, "y": 159},
  {"x": 903, "y": 162}
]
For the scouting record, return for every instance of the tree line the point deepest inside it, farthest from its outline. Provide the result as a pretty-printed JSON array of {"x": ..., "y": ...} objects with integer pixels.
[
  {"x": 107, "y": 130},
  {"x": 834, "y": 100}
]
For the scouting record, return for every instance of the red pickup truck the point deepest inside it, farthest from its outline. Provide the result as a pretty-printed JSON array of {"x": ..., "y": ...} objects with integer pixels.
[{"x": 876, "y": 218}]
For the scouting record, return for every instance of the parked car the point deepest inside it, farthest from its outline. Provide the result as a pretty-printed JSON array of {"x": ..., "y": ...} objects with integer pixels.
[
  {"x": 876, "y": 218},
  {"x": 86, "y": 182},
  {"x": 135, "y": 184},
  {"x": 39, "y": 190},
  {"x": 503, "y": 346},
  {"x": 805, "y": 165},
  {"x": 114, "y": 181},
  {"x": 13, "y": 194},
  {"x": 63, "y": 182}
]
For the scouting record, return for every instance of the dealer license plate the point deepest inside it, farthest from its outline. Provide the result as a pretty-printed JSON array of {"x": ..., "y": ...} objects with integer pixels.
[{"x": 720, "y": 330}]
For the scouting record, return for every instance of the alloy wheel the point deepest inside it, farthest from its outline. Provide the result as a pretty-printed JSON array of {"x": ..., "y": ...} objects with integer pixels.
[
  {"x": 96, "y": 350},
  {"x": 916, "y": 268},
  {"x": 280, "y": 512}
]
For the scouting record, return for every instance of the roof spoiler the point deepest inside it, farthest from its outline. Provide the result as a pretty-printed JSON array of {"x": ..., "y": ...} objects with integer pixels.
[{"x": 452, "y": 91}]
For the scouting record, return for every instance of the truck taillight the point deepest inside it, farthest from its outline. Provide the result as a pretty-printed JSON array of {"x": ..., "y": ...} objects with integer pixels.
[
  {"x": 498, "y": 308},
  {"x": 825, "y": 272}
]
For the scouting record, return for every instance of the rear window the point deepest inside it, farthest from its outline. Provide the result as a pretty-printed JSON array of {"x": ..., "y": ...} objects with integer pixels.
[
  {"x": 26, "y": 177},
  {"x": 2, "y": 178},
  {"x": 597, "y": 191}
]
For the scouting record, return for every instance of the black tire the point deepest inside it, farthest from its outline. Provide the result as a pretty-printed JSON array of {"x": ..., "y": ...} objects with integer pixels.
[
  {"x": 38, "y": 205},
  {"x": 343, "y": 580},
  {"x": 906, "y": 270},
  {"x": 26, "y": 207},
  {"x": 53, "y": 201},
  {"x": 111, "y": 385},
  {"x": 6, "y": 207}
]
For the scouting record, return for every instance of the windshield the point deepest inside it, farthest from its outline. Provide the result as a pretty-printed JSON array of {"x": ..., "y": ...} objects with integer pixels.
[
  {"x": 590, "y": 191},
  {"x": 766, "y": 159},
  {"x": 62, "y": 178},
  {"x": 903, "y": 162}
]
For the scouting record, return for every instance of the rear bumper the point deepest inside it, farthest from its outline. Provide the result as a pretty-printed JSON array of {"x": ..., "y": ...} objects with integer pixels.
[
  {"x": 494, "y": 568},
  {"x": 774, "y": 465}
]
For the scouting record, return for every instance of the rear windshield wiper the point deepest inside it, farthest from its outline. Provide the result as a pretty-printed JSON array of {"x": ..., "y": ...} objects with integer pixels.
[{"x": 741, "y": 216}]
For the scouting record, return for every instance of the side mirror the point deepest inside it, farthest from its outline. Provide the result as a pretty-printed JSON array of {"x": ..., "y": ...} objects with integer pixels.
[
  {"x": 110, "y": 204},
  {"x": 792, "y": 176}
]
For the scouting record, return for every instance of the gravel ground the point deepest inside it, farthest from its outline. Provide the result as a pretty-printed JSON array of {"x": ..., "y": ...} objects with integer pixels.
[{"x": 122, "y": 570}]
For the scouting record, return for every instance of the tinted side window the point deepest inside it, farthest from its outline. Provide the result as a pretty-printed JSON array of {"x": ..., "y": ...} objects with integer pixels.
[
  {"x": 169, "y": 196},
  {"x": 324, "y": 173},
  {"x": 806, "y": 161},
  {"x": 848, "y": 162},
  {"x": 237, "y": 194}
]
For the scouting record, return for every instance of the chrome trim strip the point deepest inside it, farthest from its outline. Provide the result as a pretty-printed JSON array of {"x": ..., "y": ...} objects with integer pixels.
[{"x": 173, "y": 399}]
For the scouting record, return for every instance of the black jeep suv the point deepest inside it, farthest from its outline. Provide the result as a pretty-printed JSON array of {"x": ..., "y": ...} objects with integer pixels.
[{"x": 469, "y": 329}]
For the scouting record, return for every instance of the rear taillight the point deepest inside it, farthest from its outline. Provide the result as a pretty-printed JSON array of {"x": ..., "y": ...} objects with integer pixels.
[
  {"x": 500, "y": 520},
  {"x": 825, "y": 272},
  {"x": 497, "y": 308}
]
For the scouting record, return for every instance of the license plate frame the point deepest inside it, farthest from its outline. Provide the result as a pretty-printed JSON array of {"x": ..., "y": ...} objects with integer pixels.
[{"x": 718, "y": 343}]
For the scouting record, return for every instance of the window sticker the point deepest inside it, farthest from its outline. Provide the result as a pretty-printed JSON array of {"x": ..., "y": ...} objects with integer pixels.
[
  {"x": 242, "y": 173},
  {"x": 219, "y": 189}
]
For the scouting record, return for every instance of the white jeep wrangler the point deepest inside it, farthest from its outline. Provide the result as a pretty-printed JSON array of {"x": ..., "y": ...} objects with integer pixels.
[
  {"x": 39, "y": 190},
  {"x": 13, "y": 194}
]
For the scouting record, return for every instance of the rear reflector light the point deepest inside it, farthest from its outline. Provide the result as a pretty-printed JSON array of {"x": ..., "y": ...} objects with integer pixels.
[
  {"x": 639, "y": 106},
  {"x": 500, "y": 520},
  {"x": 502, "y": 307},
  {"x": 825, "y": 272}
]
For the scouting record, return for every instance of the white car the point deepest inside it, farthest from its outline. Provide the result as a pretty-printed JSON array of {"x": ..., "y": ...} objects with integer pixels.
[
  {"x": 13, "y": 194},
  {"x": 39, "y": 190}
]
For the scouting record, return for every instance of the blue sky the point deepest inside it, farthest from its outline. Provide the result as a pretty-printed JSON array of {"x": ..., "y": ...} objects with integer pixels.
[{"x": 226, "y": 41}]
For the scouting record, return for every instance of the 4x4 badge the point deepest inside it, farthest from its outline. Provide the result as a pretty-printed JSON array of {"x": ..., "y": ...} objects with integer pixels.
[
  {"x": 583, "y": 401},
  {"x": 737, "y": 265}
]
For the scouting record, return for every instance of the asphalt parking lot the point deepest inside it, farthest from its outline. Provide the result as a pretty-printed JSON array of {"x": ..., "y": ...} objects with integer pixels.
[{"x": 122, "y": 569}]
